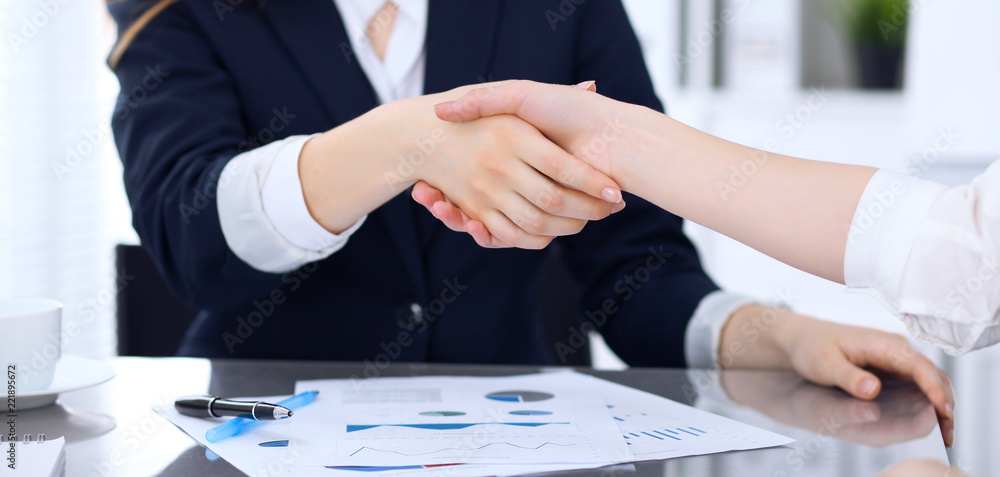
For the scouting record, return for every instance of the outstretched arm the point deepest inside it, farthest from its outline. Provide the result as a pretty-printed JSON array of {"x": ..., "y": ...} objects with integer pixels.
[{"x": 795, "y": 210}]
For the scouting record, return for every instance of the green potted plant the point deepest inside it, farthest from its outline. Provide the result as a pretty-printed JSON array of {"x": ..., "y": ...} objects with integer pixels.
[{"x": 877, "y": 31}]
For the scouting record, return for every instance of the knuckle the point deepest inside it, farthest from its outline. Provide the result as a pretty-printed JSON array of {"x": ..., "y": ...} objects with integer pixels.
[
  {"x": 553, "y": 200},
  {"x": 508, "y": 236},
  {"x": 489, "y": 162},
  {"x": 554, "y": 165},
  {"x": 502, "y": 134},
  {"x": 532, "y": 222}
]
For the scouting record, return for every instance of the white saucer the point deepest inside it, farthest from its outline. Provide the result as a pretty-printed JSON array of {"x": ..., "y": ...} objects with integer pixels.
[{"x": 72, "y": 373}]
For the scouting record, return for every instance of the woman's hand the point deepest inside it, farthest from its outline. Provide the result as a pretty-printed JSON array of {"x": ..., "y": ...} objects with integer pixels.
[
  {"x": 831, "y": 354},
  {"x": 501, "y": 172},
  {"x": 900, "y": 414},
  {"x": 589, "y": 126}
]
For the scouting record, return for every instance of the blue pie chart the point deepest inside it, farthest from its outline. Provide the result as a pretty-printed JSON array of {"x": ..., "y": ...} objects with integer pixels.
[
  {"x": 530, "y": 413},
  {"x": 519, "y": 396}
]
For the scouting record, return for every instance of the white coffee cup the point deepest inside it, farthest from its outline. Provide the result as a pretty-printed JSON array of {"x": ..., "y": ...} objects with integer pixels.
[{"x": 30, "y": 341}]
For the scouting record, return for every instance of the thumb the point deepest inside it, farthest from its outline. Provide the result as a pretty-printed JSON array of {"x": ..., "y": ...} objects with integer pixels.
[
  {"x": 483, "y": 102},
  {"x": 851, "y": 378},
  {"x": 587, "y": 86}
]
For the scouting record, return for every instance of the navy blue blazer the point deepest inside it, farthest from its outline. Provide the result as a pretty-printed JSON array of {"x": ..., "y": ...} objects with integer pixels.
[{"x": 205, "y": 81}]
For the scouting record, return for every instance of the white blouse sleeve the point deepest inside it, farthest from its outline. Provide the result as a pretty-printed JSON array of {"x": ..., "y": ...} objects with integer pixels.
[
  {"x": 263, "y": 212},
  {"x": 930, "y": 254}
]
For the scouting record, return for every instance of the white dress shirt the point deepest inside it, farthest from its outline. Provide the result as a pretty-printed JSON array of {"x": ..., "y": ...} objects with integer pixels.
[
  {"x": 261, "y": 205},
  {"x": 262, "y": 208},
  {"x": 931, "y": 254}
]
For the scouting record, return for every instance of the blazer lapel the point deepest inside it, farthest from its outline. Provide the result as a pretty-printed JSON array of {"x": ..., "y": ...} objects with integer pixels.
[
  {"x": 460, "y": 42},
  {"x": 314, "y": 35}
]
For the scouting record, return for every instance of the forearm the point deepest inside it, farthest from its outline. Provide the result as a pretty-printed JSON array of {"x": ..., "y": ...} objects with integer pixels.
[
  {"x": 351, "y": 170},
  {"x": 795, "y": 210}
]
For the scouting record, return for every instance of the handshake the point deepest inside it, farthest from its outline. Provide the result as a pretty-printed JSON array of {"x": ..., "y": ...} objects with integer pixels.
[{"x": 548, "y": 160}]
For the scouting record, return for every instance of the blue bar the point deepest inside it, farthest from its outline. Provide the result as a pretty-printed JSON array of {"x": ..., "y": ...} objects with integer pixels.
[
  {"x": 689, "y": 432},
  {"x": 667, "y": 435},
  {"x": 650, "y": 435},
  {"x": 619, "y": 419},
  {"x": 668, "y": 430},
  {"x": 699, "y": 430},
  {"x": 634, "y": 434}
]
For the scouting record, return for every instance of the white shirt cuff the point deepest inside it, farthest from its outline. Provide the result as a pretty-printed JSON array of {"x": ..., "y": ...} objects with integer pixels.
[
  {"x": 884, "y": 227},
  {"x": 249, "y": 230},
  {"x": 704, "y": 332},
  {"x": 285, "y": 203}
]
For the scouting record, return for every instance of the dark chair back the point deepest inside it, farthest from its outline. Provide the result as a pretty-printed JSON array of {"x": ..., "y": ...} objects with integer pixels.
[{"x": 151, "y": 321}]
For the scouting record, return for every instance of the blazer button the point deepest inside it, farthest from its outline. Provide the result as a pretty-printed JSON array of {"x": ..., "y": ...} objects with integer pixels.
[{"x": 410, "y": 318}]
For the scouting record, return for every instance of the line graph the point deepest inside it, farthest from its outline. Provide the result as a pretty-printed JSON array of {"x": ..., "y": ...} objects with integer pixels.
[{"x": 462, "y": 448}]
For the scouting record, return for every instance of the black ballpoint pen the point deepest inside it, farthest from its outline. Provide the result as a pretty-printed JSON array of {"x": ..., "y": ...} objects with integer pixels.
[{"x": 212, "y": 406}]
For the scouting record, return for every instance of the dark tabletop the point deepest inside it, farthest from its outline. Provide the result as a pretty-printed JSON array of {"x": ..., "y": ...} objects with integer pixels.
[{"x": 111, "y": 429}]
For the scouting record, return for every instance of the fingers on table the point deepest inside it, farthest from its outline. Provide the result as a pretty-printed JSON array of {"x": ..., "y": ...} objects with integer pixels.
[
  {"x": 849, "y": 375},
  {"x": 895, "y": 354}
]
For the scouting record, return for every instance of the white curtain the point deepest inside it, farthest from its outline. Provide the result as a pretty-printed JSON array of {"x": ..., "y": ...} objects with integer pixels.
[{"x": 62, "y": 204}]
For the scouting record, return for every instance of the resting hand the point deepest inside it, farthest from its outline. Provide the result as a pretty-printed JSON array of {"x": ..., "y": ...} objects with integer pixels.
[
  {"x": 832, "y": 354},
  {"x": 922, "y": 468},
  {"x": 900, "y": 414}
]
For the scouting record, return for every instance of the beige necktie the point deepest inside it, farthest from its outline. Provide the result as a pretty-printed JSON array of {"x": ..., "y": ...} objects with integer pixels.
[{"x": 379, "y": 29}]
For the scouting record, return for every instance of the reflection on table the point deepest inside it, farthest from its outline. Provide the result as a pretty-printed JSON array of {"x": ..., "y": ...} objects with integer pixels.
[{"x": 837, "y": 435}]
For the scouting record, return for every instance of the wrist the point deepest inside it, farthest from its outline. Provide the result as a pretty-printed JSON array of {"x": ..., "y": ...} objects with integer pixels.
[
  {"x": 639, "y": 159},
  {"x": 759, "y": 337},
  {"x": 412, "y": 134}
]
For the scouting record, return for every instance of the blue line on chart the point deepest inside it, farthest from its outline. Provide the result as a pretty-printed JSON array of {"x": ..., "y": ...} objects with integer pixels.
[
  {"x": 448, "y": 426},
  {"x": 460, "y": 448}
]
